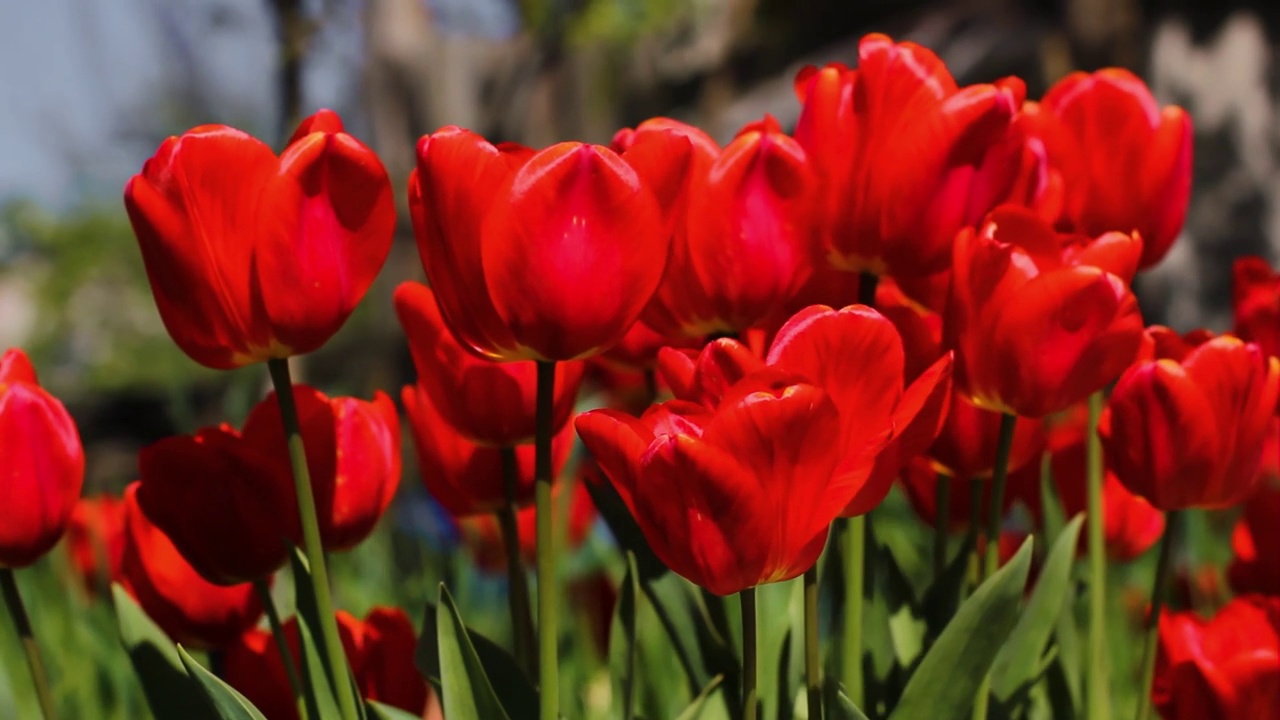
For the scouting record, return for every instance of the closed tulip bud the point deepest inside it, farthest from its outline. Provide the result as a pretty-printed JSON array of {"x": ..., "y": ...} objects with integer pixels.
[
  {"x": 486, "y": 402},
  {"x": 1190, "y": 433},
  {"x": 95, "y": 540},
  {"x": 466, "y": 478},
  {"x": 1256, "y": 295},
  {"x": 1224, "y": 667},
  {"x": 885, "y": 139},
  {"x": 495, "y": 226},
  {"x": 1039, "y": 321},
  {"x": 1125, "y": 162},
  {"x": 190, "y": 609},
  {"x": 41, "y": 463},
  {"x": 253, "y": 256}
]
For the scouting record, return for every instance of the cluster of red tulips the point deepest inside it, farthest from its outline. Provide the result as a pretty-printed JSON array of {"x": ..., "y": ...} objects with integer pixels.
[{"x": 923, "y": 283}]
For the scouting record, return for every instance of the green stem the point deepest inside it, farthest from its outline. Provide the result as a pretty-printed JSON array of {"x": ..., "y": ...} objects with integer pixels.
[
  {"x": 12, "y": 598},
  {"x": 812, "y": 652},
  {"x": 307, "y": 706},
  {"x": 942, "y": 511},
  {"x": 1098, "y": 700},
  {"x": 1171, "y": 526},
  {"x": 312, "y": 546},
  {"x": 999, "y": 478},
  {"x": 548, "y": 602},
  {"x": 855, "y": 556},
  {"x": 750, "y": 662},
  {"x": 517, "y": 581},
  {"x": 974, "y": 570}
]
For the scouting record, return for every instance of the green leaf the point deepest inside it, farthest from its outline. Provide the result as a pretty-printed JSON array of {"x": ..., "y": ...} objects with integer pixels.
[
  {"x": 622, "y": 639},
  {"x": 702, "y": 654},
  {"x": 1055, "y": 518},
  {"x": 322, "y": 702},
  {"x": 1019, "y": 661},
  {"x": 378, "y": 711},
  {"x": 170, "y": 691},
  {"x": 946, "y": 681},
  {"x": 705, "y": 703},
  {"x": 467, "y": 692},
  {"x": 515, "y": 692},
  {"x": 227, "y": 703},
  {"x": 837, "y": 704}
]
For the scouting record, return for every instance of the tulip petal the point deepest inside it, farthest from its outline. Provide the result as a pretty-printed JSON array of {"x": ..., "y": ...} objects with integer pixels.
[{"x": 617, "y": 441}]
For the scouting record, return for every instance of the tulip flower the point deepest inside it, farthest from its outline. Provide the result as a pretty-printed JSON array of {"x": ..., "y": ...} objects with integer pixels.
[
  {"x": 379, "y": 651},
  {"x": 1224, "y": 667},
  {"x": 190, "y": 609},
  {"x": 793, "y": 440},
  {"x": 1190, "y": 433},
  {"x": 884, "y": 140},
  {"x": 743, "y": 230},
  {"x": 483, "y": 536},
  {"x": 41, "y": 463},
  {"x": 1256, "y": 295},
  {"x": 95, "y": 540},
  {"x": 462, "y": 476},
  {"x": 253, "y": 256},
  {"x": 1255, "y": 540},
  {"x": 549, "y": 255},
  {"x": 1038, "y": 320},
  {"x": 486, "y": 402},
  {"x": 1125, "y": 162}
]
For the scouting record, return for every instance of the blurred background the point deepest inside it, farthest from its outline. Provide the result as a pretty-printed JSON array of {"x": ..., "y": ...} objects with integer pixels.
[{"x": 89, "y": 88}]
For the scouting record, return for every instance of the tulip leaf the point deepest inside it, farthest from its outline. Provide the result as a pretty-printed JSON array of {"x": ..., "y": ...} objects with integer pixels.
[
  {"x": 321, "y": 701},
  {"x": 622, "y": 640},
  {"x": 707, "y": 703},
  {"x": 836, "y": 702},
  {"x": 378, "y": 711},
  {"x": 680, "y": 611},
  {"x": 947, "y": 679},
  {"x": 227, "y": 703},
  {"x": 467, "y": 692},
  {"x": 516, "y": 693},
  {"x": 170, "y": 691},
  {"x": 944, "y": 595},
  {"x": 1019, "y": 660}
]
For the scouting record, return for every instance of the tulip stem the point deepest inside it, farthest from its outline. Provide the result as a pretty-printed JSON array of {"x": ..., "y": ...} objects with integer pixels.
[
  {"x": 855, "y": 556},
  {"x": 1171, "y": 526},
  {"x": 999, "y": 478},
  {"x": 973, "y": 571},
  {"x": 312, "y": 546},
  {"x": 750, "y": 662},
  {"x": 812, "y": 652},
  {"x": 517, "y": 581},
  {"x": 13, "y": 599},
  {"x": 305, "y": 702},
  {"x": 1098, "y": 702},
  {"x": 941, "y": 524},
  {"x": 548, "y": 603}
]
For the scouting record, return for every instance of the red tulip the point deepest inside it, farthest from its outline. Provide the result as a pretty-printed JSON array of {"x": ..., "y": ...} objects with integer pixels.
[
  {"x": 1256, "y": 293},
  {"x": 1255, "y": 540},
  {"x": 1226, "y": 667},
  {"x": 253, "y": 256},
  {"x": 1190, "y": 433},
  {"x": 1038, "y": 320},
  {"x": 483, "y": 535},
  {"x": 1125, "y": 162},
  {"x": 549, "y": 255},
  {"x": 95, "y": 540},
  {"x": 464, "y": 477},
  {"x": 486, "y": 402},
  {"x": 189, "y": 608},
  {"x": 41, "y": 463},
  {"x": 792, "y": 440},
  {"x": 353, "y": 453},
  {"x": 743, "y": 231},
  {"x": 379, "y": 651},
  {"x": 885, "y": 140},
  {"x": 638, "y": 349}
]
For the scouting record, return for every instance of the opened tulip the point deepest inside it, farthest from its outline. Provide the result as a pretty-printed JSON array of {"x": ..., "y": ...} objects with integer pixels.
[
  {"x": 41, "y": 464},
  {"x": 253, "y": 256},
  {"x": 190, "y": 609},
  {"x": 1190, "y": 432},
  {"x": 799, "y": 432},
  {"x": 549, "y": 255},
  {"x": 486, "y": 402},
  {"x": 1125, "y": 162},
  {"x": 379, "y": 651},
  {"x": 466, "y": 478},
  {"x": 1224, "y": 667},
  {"x": 1039, "y": 320},
  {"x": 1256, "y": 293},
  {"x": 742, "y": 233},
  {"x": 884, "y": 140},
  {"x": 95, "y": 540}
]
